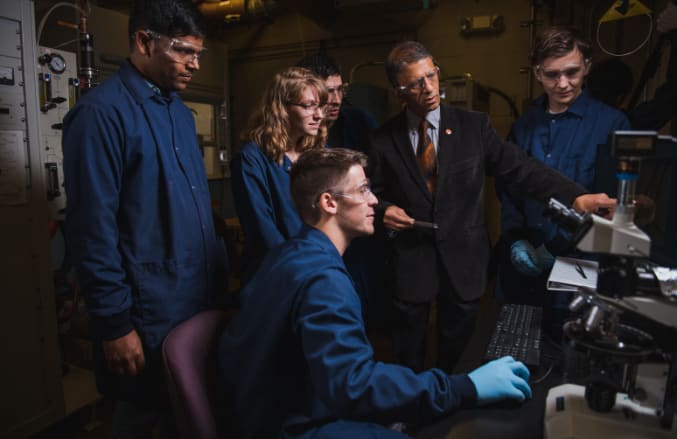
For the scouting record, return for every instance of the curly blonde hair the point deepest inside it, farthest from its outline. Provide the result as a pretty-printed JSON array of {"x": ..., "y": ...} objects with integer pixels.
[{"x": 268, "y": 127}]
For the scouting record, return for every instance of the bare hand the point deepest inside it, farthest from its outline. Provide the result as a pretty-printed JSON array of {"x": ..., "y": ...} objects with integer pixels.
[
  {"x": 600, "y": 204},
  {"x": 396, "y": 218},
  {"x": 667, "y": 20},
  {"x": 124, "y": 355}
]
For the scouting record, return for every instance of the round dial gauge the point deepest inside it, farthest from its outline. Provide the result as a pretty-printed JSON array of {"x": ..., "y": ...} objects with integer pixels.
[{"x": 56, "y": 63}]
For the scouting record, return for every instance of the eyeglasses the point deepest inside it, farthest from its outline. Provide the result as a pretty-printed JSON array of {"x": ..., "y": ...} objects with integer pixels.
[
  {"x": 179, "y": 51},
  {"x": 309, "y": 107},
  {"x": 341, "y": 89},
  {"x": 419, "y": 83},
  {"x": 361, "y": 194},
  {"x": 554, "y": 75}
]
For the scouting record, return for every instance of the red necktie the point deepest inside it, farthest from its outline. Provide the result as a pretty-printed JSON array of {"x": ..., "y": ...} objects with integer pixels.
[{"x": 425, "y": 156}]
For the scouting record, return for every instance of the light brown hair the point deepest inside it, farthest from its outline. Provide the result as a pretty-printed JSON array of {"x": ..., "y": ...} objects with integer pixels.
[{"x": 269, "y": 125}]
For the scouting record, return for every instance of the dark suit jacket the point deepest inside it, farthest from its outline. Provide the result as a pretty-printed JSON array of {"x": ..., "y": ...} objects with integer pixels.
[{"x": 468, "y": 149}]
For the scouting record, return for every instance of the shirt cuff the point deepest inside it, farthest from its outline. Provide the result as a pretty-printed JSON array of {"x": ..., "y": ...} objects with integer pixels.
[{"x": 465, "y": 389}]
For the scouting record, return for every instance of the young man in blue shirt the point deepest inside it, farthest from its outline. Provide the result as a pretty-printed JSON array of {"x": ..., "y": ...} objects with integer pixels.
[
  {"x": 296, "y": 362},
  {"x": 562, "y": 129},
  {"x": 139, "y": 223}
]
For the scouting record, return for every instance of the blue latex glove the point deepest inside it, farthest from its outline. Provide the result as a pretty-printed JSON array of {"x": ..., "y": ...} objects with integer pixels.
[
  {"x": 504, "y": 378},
  {"x": 544, "y": 259},
  {"x": 524, "y": 258}
]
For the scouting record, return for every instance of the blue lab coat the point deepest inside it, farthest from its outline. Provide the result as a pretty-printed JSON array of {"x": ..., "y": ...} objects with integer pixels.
[
  {"x": 263, "y": 203},
  {"x": 296, "y": 357},
  {"x": 139, "y": 224}
]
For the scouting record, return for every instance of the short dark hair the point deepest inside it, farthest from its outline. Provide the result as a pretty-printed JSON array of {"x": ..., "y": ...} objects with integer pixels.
[
  {"x": 558, "y": 41},
  {"x": 403, "y": 54},
  {"x": 173, "y": 18},
  {"x": 315, "y": 172},
  {"x": 320, "y": 64}
]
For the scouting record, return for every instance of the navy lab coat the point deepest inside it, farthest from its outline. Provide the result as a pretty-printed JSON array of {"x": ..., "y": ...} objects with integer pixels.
[
  {"x": 296, "y": 357},
  {"x": 263, "y": 203},
  {"x": 139, "y": 224}
]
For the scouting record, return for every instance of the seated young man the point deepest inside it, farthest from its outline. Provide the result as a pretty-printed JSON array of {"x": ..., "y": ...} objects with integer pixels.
[{"x": 296, "y": 362}]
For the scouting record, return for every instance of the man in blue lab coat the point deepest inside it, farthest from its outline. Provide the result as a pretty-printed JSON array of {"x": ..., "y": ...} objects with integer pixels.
[
  {"x": 296, "y": 362},
  {"x": 138, "y": 219}
]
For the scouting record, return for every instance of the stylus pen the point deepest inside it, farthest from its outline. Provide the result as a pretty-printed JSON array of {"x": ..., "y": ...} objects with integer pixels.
[
  {"x": 426, "y": 225},
  {"x": 580, "y": 271}
]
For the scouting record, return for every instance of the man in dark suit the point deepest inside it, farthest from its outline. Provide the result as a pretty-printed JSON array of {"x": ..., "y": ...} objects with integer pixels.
[{"x": 428, "y": 165}]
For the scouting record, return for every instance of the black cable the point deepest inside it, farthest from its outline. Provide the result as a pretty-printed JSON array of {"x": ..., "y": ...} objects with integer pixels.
[
  {"x": 648, "y": 71},
  {"x": 508, "y": 99},
  {"x": 650, "y": 67},
  {"x": 542, "y": 378}
]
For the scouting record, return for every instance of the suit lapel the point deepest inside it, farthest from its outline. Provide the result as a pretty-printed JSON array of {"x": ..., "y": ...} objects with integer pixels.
[
  {"x": 406, "y": 152},
  {"x": 447, "y": 143}
]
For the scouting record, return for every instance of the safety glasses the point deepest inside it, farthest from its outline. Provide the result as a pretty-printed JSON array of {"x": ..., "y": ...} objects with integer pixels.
[{"x": 179, "y": 51}]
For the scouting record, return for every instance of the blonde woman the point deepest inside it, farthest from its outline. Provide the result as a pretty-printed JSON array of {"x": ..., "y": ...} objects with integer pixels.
[{"x": 289, "y": 120}]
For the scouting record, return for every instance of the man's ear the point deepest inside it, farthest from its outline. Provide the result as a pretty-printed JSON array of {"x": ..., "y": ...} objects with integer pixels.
[
  {"x": 327, "y": 204},
  {"x": 142, "y": 42}
]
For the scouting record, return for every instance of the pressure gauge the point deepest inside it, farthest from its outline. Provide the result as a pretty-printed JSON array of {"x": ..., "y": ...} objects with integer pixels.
[{"x": 56, "y": 63}]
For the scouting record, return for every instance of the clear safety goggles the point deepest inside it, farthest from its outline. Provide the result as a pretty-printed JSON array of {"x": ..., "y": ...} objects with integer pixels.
[
  {"x": 179, "y": 51},
  {"x": 360, "y": 195},
  {"x": 340, "y": 90},
  {"x": 310, "y": 107},
  {"x": 419, "y": 84},
  {"x": 573, "y": 72}
]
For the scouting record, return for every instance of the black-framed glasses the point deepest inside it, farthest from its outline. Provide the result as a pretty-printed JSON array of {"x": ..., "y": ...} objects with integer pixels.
[
  {"x": 419, "y": 84},
  {"x": 340, "y": 89},
  {"x": 179, "y": 51},
  {"x": 309, "y": 107}
]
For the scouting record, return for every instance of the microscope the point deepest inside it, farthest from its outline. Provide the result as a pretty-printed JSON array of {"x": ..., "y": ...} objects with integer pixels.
[{"x": 629, "y": 388}]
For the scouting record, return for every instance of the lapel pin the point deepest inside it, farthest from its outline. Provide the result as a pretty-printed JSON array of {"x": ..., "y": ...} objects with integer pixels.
[{"x": 447, "y": 131}]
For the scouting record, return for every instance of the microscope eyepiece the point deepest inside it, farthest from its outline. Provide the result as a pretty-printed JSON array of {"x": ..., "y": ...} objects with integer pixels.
[{"x": 566, "y": 217}]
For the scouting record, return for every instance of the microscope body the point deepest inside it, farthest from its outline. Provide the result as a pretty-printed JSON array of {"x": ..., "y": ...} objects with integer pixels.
[{"x": 626, "y": 285}]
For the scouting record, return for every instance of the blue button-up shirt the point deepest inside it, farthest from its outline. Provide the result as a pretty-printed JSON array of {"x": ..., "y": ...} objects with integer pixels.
[{"x": 565, "y": 141}]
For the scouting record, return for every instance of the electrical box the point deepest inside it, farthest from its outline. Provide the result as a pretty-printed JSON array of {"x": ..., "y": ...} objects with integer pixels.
[
  {"x": 466, "y": 93},
  {"x": 482, "y": 24}
]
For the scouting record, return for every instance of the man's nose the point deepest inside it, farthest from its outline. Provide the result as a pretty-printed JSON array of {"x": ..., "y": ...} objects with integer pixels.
[
  {"x": 428, "y": 85},
  {"x": 562, "y": 80},
  {"x": 194, "y": 63}
]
